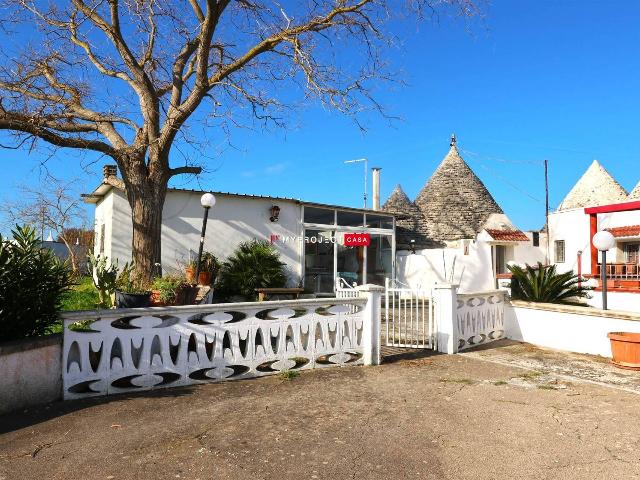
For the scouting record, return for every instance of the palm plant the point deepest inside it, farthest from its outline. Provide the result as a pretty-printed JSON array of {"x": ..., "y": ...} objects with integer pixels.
[
  {"x": 542, "y": 283},
  {"x": 253, "y": 264}
]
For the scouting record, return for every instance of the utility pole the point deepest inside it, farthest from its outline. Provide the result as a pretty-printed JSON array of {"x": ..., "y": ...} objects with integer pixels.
[
  {"x": 546, "y": 206},
  {"x": 366, "y": 162}
]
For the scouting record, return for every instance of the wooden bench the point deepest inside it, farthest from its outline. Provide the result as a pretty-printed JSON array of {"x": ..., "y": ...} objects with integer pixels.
[{"x": 264, "y": 292}]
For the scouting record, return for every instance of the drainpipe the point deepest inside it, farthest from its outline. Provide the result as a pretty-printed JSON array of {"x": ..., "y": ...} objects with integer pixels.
[
  {"x": 579, "y": 268},
  {"x": 376, "y": 187}
]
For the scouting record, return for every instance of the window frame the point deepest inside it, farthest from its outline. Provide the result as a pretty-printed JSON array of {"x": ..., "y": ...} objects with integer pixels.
[{"x": 556, "y": 251}]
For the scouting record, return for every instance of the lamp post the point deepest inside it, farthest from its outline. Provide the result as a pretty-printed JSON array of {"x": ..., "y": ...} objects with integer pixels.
[
  {"x": 207, "y": 201},
  {"x": 603, "y": 241}
]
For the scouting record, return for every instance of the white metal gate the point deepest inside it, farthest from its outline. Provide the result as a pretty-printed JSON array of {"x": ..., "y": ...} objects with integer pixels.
[{"x": 409, "y": 318}]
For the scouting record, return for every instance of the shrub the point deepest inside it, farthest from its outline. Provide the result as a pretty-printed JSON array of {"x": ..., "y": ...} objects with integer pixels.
[
  {"x": 169, "y": 287},
  {"x": 542, "y": 284},
  {"x": 129, "y": 282},
  {"x": 253, "y": 264},
  {"x": 33, "y": 282}
]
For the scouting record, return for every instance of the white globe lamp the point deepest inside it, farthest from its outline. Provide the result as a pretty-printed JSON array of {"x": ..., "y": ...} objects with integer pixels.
[
  {"x": 604, "y": 241},
  {"x": 207, "y": 201}
]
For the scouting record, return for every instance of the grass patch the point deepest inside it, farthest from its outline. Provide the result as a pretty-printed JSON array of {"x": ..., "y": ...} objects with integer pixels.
[
  {"x": 529, "y": 375},
  {"x": 547, "y": 387},
  {"x": 289, "y": 374},
  {"x": 464, "y": 381},
  {"x": 83, "y": 296},
  {"x": 499, "y": 383}
]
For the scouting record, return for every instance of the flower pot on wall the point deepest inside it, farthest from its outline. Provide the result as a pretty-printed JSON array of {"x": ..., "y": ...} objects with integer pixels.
[
  {"x": 204, "y": 278},
  {"x": 190, "y": 273},
  {"x": 132, "y": 300},
  {"x": 625, "y": 349},
  {"x": 156, "y": 299},
  {"x": 187, "y": 295}
]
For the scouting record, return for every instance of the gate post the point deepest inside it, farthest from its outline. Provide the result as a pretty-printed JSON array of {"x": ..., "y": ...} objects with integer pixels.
[
  {"x": 371, "y": 316},
  {"x": 445, "y": 306}
]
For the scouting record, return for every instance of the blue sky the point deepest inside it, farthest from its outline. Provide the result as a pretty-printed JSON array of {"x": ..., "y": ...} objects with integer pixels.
[{"x": 537, "y": 79}]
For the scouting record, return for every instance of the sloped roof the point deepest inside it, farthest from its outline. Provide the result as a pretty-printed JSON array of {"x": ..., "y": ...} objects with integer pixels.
[
  {"x": 635, "y": 193},
  {"x": 454, "y": 202},
  {"x": 508, "y": 235},
  {"x": 628, "y": 231},
  {"x": 595, "y": 187},
  {"x": 409, "y": 221}
]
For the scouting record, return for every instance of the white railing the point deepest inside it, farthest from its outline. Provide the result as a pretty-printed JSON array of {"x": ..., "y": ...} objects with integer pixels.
[
  {"x": 479, "y": 318},
  {"x": 409, "y": 318},
  {"x": 113, "y": 351}
]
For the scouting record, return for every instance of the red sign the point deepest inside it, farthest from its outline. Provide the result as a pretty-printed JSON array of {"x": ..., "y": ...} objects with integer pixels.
[{"x": 357, "y": 239}]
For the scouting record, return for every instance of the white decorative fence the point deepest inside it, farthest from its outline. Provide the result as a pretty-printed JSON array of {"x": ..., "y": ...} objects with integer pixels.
[
  {"x": 114, "y": 351},
  {"x": 479, "y": 318}
]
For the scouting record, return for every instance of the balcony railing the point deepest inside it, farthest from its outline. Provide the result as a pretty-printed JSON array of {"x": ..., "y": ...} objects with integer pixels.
[{"x": 621, "y": 271}]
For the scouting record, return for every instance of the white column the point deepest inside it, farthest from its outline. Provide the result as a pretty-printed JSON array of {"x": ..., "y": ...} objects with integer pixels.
[
  {"x": 371, "y": 323},
  {"x": 445, "y": 306}
]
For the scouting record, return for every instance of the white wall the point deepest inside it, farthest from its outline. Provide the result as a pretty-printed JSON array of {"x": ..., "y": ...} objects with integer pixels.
[
  {"x": 574, "y": 329},
  {"x": 623, "y": 301},
  {"x": 427, "y": 267},
  {"x": 232, "y": 220},
  {"x": 526, "y": 253}
]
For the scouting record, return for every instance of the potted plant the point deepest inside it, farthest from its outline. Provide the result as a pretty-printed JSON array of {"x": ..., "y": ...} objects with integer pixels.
[
  {"x": 131, "y": 292},
  {"x": 190, "y": 271},
  {"x": 166, "y": 290},
  {"x": 209, "y": 266},
  {"x": 625, "y": 349}
]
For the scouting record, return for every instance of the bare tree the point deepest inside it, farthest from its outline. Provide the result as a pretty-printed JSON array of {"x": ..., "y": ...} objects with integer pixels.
[
  {"x": 53, "y": 206},
  {"x": 123, "y": 78}
]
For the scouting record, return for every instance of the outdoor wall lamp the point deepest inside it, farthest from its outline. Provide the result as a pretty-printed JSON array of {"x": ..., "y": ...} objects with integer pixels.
[
  {"x": 412, "y": 245},
  {"x": 207, "y": 201},
  {"x": 603, "y": 241},
  {"x": 275, "y": 213}
]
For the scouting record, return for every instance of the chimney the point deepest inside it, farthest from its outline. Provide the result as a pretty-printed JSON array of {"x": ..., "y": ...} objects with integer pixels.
[
  {"x": 376, "y": 187},
  {"x": 109, "y": 171}
]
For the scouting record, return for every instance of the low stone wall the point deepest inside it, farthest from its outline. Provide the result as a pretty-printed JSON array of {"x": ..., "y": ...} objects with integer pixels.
[
  {"x": 566, "y": 327},
  {"x": 30, "y": 372}
]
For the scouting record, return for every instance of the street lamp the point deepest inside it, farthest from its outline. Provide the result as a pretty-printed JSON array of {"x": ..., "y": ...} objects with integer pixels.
[
  {"x": 604, "y": 241},
  {"x": 207, "y": 201}
]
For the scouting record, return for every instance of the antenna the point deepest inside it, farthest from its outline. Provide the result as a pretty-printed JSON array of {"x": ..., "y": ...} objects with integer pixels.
[{"x": 366, "y": 163}]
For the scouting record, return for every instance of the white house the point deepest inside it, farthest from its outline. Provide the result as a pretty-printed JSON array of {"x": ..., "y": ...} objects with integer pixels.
[
  {"x": 598, "y": 202},
  {"x": 309, "y": 236},
  {"x": 456, "y": 232}
]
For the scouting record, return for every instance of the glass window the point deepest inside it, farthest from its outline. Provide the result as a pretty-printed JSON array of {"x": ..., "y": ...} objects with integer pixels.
[
  {"x": 375, "y": 220},
  {"x": 350, "y": 219},
  {"x": 318, "y": 260},
  {"x": 350, "y": 263},
  {"x": 379, "y": 259},
  {"x": 324, "y": 216},
  {"x": 536, "y": 239},
  {"x": 559, "y": 251},
  {"x": 632, "y": 253},
  {"x": 102, "y": 238}
]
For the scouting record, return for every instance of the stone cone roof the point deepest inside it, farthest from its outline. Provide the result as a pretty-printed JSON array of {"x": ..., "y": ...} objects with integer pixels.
[
  {"x": 454, "y": 203},
  {"x": 635, "y": 193},
  {"x": 595, "y": 187},
  {"x": 409, "y": 221}
]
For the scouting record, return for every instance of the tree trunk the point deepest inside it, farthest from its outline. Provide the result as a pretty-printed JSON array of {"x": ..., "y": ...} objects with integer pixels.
[{"x": 146, "y": 198}]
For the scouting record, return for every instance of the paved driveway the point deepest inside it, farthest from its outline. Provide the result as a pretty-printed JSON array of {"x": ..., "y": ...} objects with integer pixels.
[{"x": 440, "y": 417}]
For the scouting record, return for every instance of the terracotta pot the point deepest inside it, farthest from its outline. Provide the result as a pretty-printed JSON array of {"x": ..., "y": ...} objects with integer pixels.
[
  {"x": 204, "y": 278},
  {"x": 156, "y": 301},
  {"x": 625, "y": 348},
  {"x": 190, "y": 273}
]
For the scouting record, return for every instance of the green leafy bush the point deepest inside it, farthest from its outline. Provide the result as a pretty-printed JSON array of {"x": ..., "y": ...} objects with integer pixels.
[
  {"x": 33, "y": 282},
  {"x": 209, "y": 263},
  {"x": 169, "y": 287},
  {"x": 542, "y": 284},
  {"x": 253, "y": 264},
  {"x": 129, "y": 282}
]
